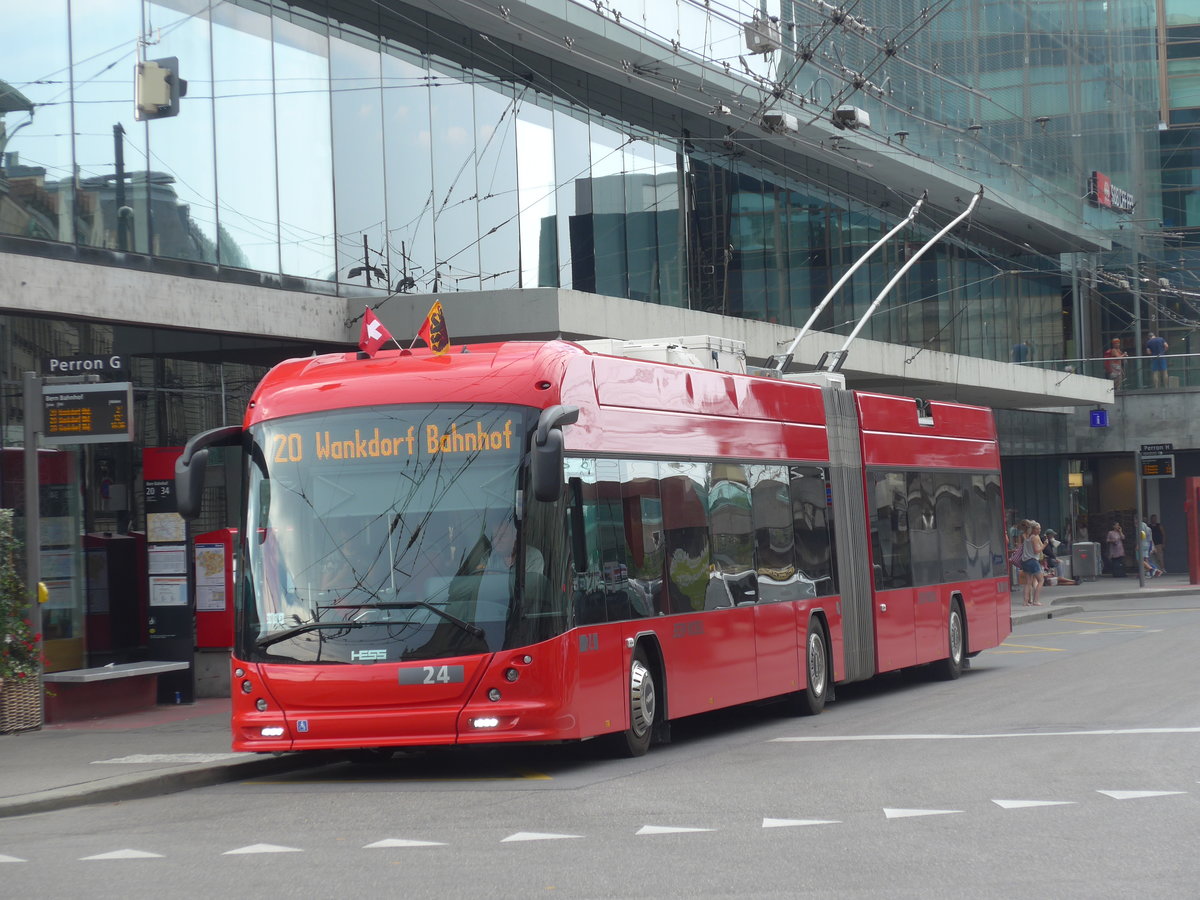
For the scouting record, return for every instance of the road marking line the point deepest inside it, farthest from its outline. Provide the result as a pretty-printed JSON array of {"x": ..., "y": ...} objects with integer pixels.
[
  {"x": 401, "y": 842},
  {"x": 1022, "y": 804},
  {"x": 125, "y": 854},
  {"x": 909, "y": 813},
  {"x": 4, "y": 859},
  {"x": 833, "y": 739},
  {"x": 537, "y": 836},
  {"x": 1091, "y": 622},
  {"x": 262, "y": 848},
  {"x": 667, "y": 829},
  {"x": 1035, "y": 647},
  {"x": 788, "y": 823},
  {"x": 1137, "y": 795}
]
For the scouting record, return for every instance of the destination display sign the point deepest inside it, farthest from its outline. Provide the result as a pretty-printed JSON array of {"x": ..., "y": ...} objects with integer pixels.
[
  {"x": 1158, "y": 466},
  {"x": 87, "y": 413},
  {"x": 376, "y": 443}
]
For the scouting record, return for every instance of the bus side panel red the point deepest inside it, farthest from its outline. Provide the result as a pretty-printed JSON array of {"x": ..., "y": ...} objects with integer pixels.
[
  {"x": 911, "y": 451},
  {"x": 598, "y": 663},
  {"x": 931, "y": 615},
  {"x": 709, "y": 659},
  {"x": 779, "y": 632},
  {"x": 895, "y": 646},
  {"x": 981, "y": 599},
  {"x": 640, "y": 432},
  {"x": 690, "y": 412},
  {"x": 1003, "y": 612}
]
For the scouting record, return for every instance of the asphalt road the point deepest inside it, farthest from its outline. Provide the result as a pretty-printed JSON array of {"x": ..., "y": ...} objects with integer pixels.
[{"x": 1063, "y": 764}]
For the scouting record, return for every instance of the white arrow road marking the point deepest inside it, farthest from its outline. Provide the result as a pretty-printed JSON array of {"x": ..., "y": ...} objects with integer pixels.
[
  {"x": 125, "y": 854},
  {"x": 1137, "y": 795},
  {"x": 401, "y": 842},
  {"x": 536, "y": 836},
  {"x": 262, "y": 848},
  {"x": 4, "y": 859},
  {"x": 667, "y": 829},
  {"x": 909, "y": 813},
  {"x": 788, "y": 823},
  {"x": 1022, "y": 804}
]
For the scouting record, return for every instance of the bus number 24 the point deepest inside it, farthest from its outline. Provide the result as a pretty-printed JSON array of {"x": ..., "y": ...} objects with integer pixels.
[{"x": 431, "y": 675}]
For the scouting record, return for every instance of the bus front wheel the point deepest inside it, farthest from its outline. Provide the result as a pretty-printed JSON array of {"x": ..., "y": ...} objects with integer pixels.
[{"x": 643, "y": 707}]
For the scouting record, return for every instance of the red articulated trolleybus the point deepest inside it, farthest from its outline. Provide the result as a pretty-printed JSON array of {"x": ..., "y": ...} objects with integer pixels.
[{"x": 534, "y": 542}]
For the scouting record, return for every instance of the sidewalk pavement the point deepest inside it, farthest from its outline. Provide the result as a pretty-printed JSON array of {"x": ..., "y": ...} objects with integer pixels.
[
  {"x": 175, "y": 748},
  {"x": 1068, "y": 599}
]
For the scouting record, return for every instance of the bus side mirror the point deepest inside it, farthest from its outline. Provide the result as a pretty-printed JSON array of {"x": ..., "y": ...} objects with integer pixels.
[
  {"x": 546, "y": 452},
  {"x": 192, "y": 463}
]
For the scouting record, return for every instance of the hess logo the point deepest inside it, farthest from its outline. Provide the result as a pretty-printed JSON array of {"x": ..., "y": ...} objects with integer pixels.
[{"x": 368, "y": 655}]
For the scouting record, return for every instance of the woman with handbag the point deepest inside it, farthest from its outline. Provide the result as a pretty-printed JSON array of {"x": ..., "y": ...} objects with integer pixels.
[{"x": 1031, "y": 562}]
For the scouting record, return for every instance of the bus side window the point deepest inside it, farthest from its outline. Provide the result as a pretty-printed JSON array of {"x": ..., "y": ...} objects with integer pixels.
[
  {"x": 734, "y": 581},
  {"x": 642, "y": 591},
  {"x": 923, "y": 543},
  {"x": 684, "y": 489},
  {"x": 889, "y": 531},
  {"x": 599, "y": 580},
  {"x": 774, "y": 543},
  {"x": 812, "y": 521}
]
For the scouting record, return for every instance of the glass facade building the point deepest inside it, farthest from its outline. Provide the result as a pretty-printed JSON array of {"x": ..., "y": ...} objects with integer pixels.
[{"x": 382, "y": 145}]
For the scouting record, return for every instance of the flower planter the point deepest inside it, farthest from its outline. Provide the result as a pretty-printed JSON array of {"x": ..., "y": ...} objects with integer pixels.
[{"x": 20, "y": 705}]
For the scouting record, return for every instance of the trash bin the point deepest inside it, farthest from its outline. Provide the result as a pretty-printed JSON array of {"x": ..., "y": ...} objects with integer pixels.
[{"x": 1085, "y": 561}]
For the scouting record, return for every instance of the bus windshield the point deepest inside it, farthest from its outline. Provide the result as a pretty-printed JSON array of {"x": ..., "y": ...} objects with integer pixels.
[{"x": 386, "y": 533}]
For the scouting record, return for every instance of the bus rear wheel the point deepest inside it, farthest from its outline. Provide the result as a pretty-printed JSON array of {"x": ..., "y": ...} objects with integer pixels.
[
  {"x": 951, "y": 667},
  {"x": 643, "y": 707},
  {"x": 811, "y": 700}
]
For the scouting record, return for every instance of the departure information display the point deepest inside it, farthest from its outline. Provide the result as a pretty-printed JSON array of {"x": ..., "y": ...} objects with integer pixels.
[{"x": 88, "y": 413}]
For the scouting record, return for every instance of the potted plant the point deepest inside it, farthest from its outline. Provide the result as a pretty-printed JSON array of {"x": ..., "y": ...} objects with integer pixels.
[{"x": 20, "y": 700}]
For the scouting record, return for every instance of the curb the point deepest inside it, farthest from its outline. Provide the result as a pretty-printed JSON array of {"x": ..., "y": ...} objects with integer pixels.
[
  {"x": 1048, "y": 612},
  {"x": 1141, "y": 594},
  {"x": 154, "y": 784}
]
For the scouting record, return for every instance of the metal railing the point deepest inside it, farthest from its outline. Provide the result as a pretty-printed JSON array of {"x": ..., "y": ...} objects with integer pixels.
[{"x": 1183, "y": 370}]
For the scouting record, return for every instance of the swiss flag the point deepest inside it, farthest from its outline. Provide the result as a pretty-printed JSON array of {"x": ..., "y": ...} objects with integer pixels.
[{"x": 373, "y": 335}]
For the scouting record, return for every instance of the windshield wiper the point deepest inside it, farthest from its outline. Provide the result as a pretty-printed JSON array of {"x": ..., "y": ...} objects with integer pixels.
[
  {"x": 470, "y": 629},
  {"x": 277, "y": 636}
]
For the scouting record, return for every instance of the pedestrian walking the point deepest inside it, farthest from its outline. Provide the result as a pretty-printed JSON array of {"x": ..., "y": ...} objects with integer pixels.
[
  {"x": 1158, "y": 538},
  {"x": 1115, "y": 539}
]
